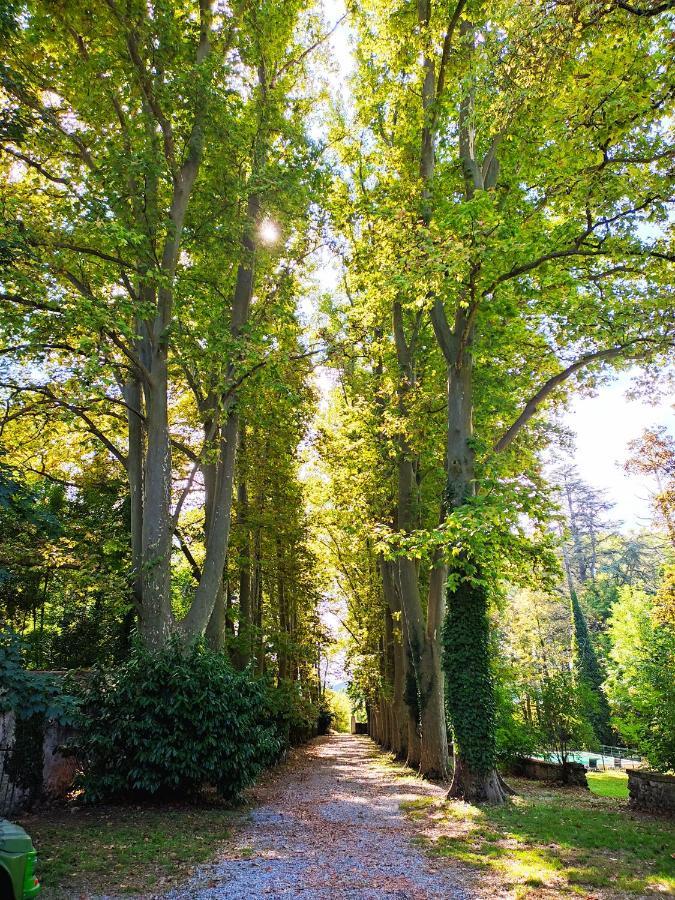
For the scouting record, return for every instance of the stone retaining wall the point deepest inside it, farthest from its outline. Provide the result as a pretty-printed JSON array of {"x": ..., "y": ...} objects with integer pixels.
[
  {"x": 651, "y": 792},
  {"x": 539, "y": 770},
  {"x": 58, "y": 770}
]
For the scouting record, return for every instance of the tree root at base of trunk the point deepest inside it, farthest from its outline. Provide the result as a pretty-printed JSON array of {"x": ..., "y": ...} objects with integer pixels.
[{"x": 470, "y": 787}]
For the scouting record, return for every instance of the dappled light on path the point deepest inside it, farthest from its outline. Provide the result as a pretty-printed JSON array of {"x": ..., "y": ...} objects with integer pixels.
[{"x": 329, "y": 825}]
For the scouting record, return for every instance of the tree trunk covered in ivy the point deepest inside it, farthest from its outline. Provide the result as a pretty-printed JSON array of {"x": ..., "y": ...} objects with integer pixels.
[
  {"x": 466, "y": 634},
  {"x": 471, "y": 698}
]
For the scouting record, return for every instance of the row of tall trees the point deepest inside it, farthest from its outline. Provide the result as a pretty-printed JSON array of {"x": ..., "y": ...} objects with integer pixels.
[
  {"x": 503, "y": 221},
  {"x": 498, "y": 193},
  {"x": 157, "y": 212}
]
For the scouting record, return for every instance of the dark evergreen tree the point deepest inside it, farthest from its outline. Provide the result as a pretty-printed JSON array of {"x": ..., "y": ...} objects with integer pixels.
[{"x": 589, "y": 673}]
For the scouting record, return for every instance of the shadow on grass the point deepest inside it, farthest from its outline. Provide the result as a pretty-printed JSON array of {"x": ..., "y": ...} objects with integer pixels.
[
  {"x": 124, "y": 849},
  {"x": 553, "y": 839}
]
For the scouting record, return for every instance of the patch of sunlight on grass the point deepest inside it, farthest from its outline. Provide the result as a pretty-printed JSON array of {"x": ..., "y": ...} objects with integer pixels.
[
  {"x": 391, "y": 766},
  {"x": 456, "y": 809},
  {"x": 531, "y": 867},
  {"x": 608, "y": 784},
  {"x": 417, "y": 804},
  {"x": 556, "y": 839}
]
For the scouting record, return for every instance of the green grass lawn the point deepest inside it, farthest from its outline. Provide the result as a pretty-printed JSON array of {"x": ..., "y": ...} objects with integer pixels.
[
  {"x": 125, "y": 849},
  {"x": 608, "y": 784},
  {"x": 554, "y": 842}
]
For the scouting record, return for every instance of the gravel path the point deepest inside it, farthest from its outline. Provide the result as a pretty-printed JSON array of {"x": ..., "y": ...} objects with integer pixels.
[{"x": 329, "y": 826}]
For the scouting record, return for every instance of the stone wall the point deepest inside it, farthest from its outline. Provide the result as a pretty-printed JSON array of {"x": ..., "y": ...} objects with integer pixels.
[
  {"x": 540, "y": 770},
  {"x": 651, "y": 792},
  {"x": 58, "y": 770}
]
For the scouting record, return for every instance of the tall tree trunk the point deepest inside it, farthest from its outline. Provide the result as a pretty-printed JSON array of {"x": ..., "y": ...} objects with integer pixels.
[
  {"x": 399, "y": 709},
  {"x": 399, "y": 741},
  {"x": 257, "y": 596},
  {"x": 424, "y": 683},
  {"x": 157, "y": 618},
  {"x": 216, "y": 549},
  {"x": 215, "y": 630},
  {"x": 410, "y": 692},
  {"x": 132, "y": 398},
  {"x": 244, "y": 633},
  {"x": 471, "y": 699},
  {"x": 157, "y": 533},
  {"x": 424, "y": 678},
  {"x": 210, "y": 583},
  {"x": 471, "y": 696},
  {"x": 284, "y": 622}
]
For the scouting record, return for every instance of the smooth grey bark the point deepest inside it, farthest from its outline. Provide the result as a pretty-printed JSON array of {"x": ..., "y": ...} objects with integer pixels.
[
  {"x": 455, "y": 343},
  {"x": 200, "y": 611},
  {"x": 157, "y": 619},
  {"x": 157, "y": 534},
  {"x": 157, "y": 522},
  {"x": 434, "y": 756},
  {"x": 399, "y": 737},
  {"x": 257, "y": 593},
  {"x": 282, "y": 653},
  {"x": 424, "y": 654},
  {"x": 210, "y": 584},
  {"x": 215, "y": 630},
  {"x": 427, "y": 740},
  {"x": 244, "y": 632},
  {"x": 132, "y": 398}
]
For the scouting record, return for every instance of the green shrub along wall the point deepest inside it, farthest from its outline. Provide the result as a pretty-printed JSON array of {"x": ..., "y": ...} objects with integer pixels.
[
  {"x": 30, "y": 700},
  {"x": 170, "y": 721}
]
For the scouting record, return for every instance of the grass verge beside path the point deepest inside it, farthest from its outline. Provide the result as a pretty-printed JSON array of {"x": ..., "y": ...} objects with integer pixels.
[
  {"x": 552, "y": 842},
  {"x": 122, "y": 849}
]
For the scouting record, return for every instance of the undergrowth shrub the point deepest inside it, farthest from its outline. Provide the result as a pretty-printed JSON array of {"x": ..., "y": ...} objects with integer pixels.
[
  {"x": 515, "y": 737},
  {"x": 325, "y": 717},
  {"x": 294, "y": 715},
  {"x": 170, "y": 721}
]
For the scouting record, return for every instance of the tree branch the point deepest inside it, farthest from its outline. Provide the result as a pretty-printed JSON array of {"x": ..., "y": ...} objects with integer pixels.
[
  {"x": 31, "y": 304},
  {"x": 447, "y": 44},
  {"x": 34, "y": 164},
  {"x": 442, "y": 330},
  {"x": 549, "y": 386},
  {"x": 306, "y": 52},
  {"x": 646, "y": 10},
  {"x": 187, "y": 553}
]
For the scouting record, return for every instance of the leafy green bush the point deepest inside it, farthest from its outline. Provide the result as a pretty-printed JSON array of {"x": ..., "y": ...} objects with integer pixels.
[
  {"x": 294, "y": 715},
  {"x": 28, "y": 694},
  {"x": 174, "y": 720}
]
